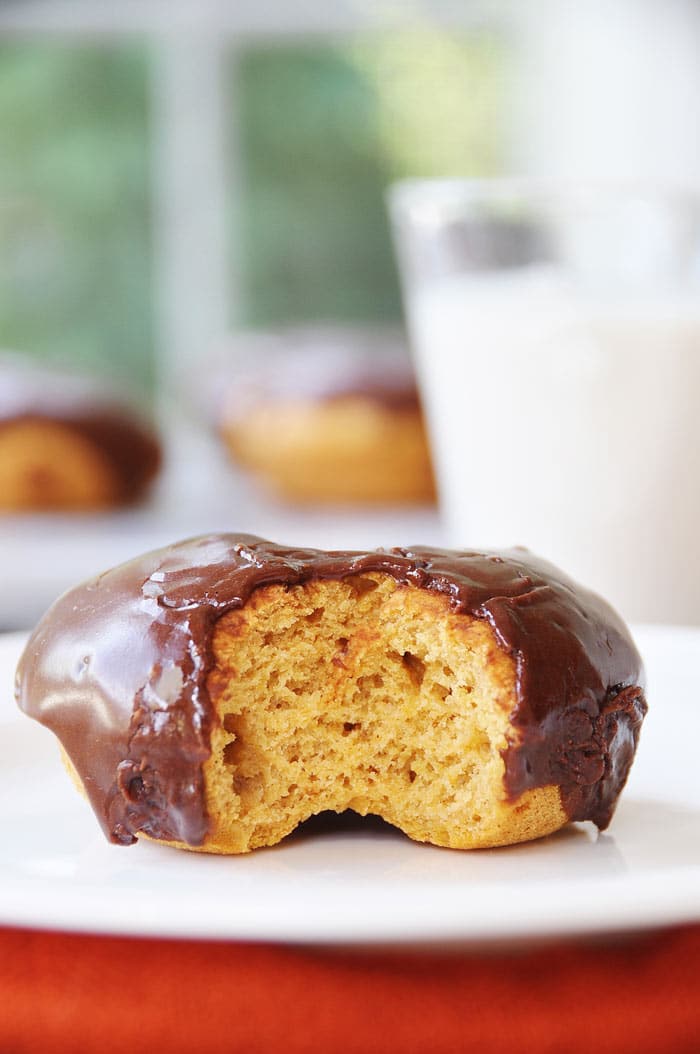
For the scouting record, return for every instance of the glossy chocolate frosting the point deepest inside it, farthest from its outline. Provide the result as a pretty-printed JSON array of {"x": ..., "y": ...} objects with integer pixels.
[
  {"x": 39, "y": 393},
  {"x": 118, "y": 670}
]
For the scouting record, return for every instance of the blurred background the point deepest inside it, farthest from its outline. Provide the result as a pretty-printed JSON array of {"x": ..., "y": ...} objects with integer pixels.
[
  {"x": 176, "y": 176},
  {"x": 172, "y": 170}
]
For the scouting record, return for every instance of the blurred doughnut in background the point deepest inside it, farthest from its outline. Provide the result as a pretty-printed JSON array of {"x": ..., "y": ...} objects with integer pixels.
[
  {"x": 325, "y": 415},
  {"x": 69, "y": 442}
]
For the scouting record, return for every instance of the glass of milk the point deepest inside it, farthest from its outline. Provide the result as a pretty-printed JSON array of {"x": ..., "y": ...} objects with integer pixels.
[{"x": 557, "y": 341}]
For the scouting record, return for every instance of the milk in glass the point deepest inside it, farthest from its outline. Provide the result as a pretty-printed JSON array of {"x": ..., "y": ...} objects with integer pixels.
[{"x": 567, "y": 419}]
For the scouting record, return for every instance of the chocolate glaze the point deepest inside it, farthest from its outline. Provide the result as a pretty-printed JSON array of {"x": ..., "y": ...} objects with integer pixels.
[
  {"x": 29, "y": 393},
  {"x": 324, "y": 377},
  {"x": 312, "y": 369},
  {"x": 118, "y": 670}
]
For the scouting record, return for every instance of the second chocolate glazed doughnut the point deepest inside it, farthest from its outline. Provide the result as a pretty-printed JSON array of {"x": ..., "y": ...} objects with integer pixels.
[
  {"x": 67, "y": 443},
  {"x": 215, "y": 693}
]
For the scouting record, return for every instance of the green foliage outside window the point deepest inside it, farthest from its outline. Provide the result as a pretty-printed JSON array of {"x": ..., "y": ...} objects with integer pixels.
[
  {"x": 75, "y": 262},
  {"x": 322, "y": 129}
]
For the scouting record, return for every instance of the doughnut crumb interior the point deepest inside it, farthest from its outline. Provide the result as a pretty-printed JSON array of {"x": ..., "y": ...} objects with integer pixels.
[{"x": 368, "y": 695}]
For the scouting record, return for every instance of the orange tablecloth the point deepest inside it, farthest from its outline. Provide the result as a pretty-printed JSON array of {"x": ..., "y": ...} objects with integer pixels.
[{"x": 70, "y": 993}]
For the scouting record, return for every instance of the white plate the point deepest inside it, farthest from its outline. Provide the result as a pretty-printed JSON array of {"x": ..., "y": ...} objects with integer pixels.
[{"x": 368, "y": 883}]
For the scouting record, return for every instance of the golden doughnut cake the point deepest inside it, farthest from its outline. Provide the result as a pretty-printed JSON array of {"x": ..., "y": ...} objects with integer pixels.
[
  {"x": 215, "y": 694},
  {"x": 65, "y": 446},
  {"x": 330, "y": 426}
]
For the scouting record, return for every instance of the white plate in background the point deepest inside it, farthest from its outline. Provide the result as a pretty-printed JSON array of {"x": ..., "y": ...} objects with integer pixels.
[{"x": 366, "y": 883}]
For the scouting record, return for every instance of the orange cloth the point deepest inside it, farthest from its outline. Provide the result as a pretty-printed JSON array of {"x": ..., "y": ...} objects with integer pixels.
[{"x": 106, "y": 995}]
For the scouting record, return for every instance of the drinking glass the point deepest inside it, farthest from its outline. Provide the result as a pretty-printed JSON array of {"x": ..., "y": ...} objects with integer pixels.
[{"x": 556, "y": 332}]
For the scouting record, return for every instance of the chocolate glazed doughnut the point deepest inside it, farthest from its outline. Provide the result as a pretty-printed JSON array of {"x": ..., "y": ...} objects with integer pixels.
[
  {"x": 319, "y": 422},
  {"x": 65, "y": 445},
  {"x": 215, "y": 693}
]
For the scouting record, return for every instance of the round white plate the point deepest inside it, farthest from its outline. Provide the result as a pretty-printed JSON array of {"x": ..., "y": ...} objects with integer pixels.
[{"x": 365, "y": 882}]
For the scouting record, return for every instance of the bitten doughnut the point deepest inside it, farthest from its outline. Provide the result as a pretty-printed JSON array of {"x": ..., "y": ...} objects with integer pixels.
[
  {"x": 214, "y": 694},
  {"x": 65, "y": 446},
  {"x": 330, "y": 424}
]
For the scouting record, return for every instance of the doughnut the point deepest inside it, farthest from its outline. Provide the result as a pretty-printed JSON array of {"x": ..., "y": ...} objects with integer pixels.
[
  {"x": 329, "y": 425},
  {"x": 215, "y": 694},
  {"x": 64, "y": 445}
]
